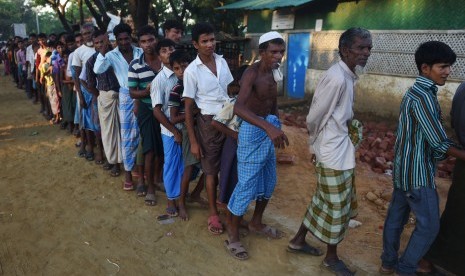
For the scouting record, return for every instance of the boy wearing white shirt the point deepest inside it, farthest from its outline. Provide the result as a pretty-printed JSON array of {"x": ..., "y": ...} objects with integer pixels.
[{"x": 205, "y": 83}]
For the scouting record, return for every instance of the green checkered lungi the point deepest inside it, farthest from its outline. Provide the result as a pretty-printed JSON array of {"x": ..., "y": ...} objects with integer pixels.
[{"x": 332, "y": 205}]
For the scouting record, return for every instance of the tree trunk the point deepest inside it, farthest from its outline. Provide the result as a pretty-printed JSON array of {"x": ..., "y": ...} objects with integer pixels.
[
  {"x": 103, "y": 12},
  {"x": 62, "y": 18},
  {"x": 154, "y": 16},
  {"x": 81, "y": 13},
  {"x": 142, "y": 16},
  {"x": 96, "y": 15}
]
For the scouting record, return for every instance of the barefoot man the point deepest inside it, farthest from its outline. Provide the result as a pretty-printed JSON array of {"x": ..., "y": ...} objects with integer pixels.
[{"x": 259, "y": 134}]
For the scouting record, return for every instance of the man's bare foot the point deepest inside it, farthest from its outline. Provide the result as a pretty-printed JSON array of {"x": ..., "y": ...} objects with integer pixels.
[{"x": 183, "y": 213}]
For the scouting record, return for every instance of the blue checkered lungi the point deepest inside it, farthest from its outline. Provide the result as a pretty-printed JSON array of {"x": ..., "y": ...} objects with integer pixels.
[
  {"x": 256, "y": 166},
  {"x": 129, "y": 129}
]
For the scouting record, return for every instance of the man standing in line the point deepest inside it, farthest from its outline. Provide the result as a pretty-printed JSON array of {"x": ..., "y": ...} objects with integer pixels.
[
  {"x": 173, "y": 29},
  {"x": 206, "y": 82},
  {"x": 259, "y": 133},
  {"x": 119, "y": 59},
  {"x": 331, "y": 111},
  {"x": 142, "y": 71},
  {"x": 30, "y": 65},
  {"x": 80, "y": 57}
]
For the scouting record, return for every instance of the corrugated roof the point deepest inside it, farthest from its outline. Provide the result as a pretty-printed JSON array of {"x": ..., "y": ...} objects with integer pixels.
[{"x": 263, "y": 4}]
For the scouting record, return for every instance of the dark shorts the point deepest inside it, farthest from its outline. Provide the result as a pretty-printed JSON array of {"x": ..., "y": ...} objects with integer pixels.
[
  {"x": 211, "y": 142},
  {"x": 150, "y": 131}
]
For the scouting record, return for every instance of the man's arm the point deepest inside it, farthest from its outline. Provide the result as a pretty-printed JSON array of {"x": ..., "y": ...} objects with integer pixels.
[
  {"x": 161, "y": 117},
  {"x": 224, "y": 129},
  {"x": 102, "y": 63},
  {"x": 91, "y": 78},
  {"x": 77, "y": 85},
  {"x": 190, "y": 90},
  {"x": 240, "y": 109}
]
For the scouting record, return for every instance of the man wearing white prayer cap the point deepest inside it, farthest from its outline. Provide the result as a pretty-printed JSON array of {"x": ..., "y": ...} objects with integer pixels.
[{"x": 259, "y": 134}]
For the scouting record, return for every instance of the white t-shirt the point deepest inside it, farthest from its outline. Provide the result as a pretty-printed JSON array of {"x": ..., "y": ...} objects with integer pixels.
[
  {"x": 81, "y": 55},
  {"x": 208, "y": 91}
]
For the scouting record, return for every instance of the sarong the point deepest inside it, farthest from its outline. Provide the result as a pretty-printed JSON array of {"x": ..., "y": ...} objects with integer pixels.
[
  {"x": 108, "y": 106},
  {"x": 150, "y": 131},
  {"x": 211, "y": 142},
  {"x": 68, "y": 103},
  {"x": 187, "y": 157},
  {"x": 53, "y": 98},
  {"x": 448, "y": 250},
  {"x": 332, "y": 205},
  {"x": 228, "y": 175},
  {"x": 129, "y": 129},
  {"x": 173, "y": 168},
  {"x": 256, "y": 166},
  {"x": 88, "y": 119}
]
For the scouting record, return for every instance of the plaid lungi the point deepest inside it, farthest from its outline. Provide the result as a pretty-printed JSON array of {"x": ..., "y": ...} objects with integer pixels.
[
  {"x": 332, "y": 205},
  {"x": 129, "y": 129}
]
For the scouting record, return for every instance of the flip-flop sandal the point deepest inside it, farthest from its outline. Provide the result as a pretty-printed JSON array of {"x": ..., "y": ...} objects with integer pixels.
[
  {"x": 90, "y": 156},
  {"x": 215, "y": 223},
  {"x": 150, "y": 200},
  {"x": 141, "y": 190},
  {"x": 107, "y": 166},
  {"x": 338, "y": 268},
  {"x": 128, "y": 186},
  {"x": 115, "y": 171},
  {"x": 237, "y": 250},
  {"x": 99, "y": 162},
  {"x": 172, "y": 211},
  {"x": 269, "y": 232},
  {"x": 306, "y": 249},
  {"x": 81, "y": 153}
]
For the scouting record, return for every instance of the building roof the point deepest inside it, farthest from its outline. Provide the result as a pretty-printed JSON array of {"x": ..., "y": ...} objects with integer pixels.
[{"x": 263, "y": 4}]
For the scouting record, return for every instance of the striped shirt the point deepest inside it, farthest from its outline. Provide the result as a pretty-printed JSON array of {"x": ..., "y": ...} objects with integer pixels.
[
  {"x": 421, "y": 140},
  {"x": 115, "y": 59},
  {"x": 104, "y": 82},
  {"x": 140, "y": 74},
  {"x": 160, "y": 90},
  {"x": 176, "y": 99}
]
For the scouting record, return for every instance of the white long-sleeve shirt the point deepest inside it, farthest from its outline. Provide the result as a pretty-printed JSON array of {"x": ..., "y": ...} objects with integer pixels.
[{"x": 329, "y": 116}]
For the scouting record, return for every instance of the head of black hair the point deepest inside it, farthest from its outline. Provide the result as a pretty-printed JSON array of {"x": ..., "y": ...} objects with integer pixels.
[
  {"x": 59, "y": 43},
  {"x": 98, "y": 33},
  {"x": 42, "y": 35},
  {"x": 146, "y": 30},
  {"x": 277, "y": 41},
  {"x": 66, "y": 52},
  {"x": 164, "y": 43},
  {"x": 172, "y": 24},
  {"x": 200, "y": 29},
  {"x": 122, "y": 28},
  {"x": 32, "y": 35},
  {"x": 433, "y": 52},
  {"x": 48, "y": 54},
  {"x": 52, "y": 44},
  {"x": 347, "y": 38},
  {"x": 70, "y": 38},
  {"x": 62, "y": 34},
  {"x": 179, "y": 56}
]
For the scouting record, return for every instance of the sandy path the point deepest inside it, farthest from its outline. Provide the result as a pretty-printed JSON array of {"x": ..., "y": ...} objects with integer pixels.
[{"x": 62, "y": 215}]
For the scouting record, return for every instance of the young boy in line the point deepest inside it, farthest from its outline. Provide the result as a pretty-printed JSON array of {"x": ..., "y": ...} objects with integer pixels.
[
  {"x": 206, "y": 82},
  {"x": 160, "y": 89},
  {"x": 179, "y": 60},
  {"x": 421, "y": 142},
  {"x": 53, "y": 97}
]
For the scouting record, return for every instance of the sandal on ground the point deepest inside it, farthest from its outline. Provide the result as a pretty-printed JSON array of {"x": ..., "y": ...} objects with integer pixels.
[
  {"x": 172, "y": 211},
  {"x": 115, "y": 171},
  {"x": 214, "y": 225},
  {"x": 81, "y": 153},
  {"x": 237, "y": 250},
  {"x": 128, "y": 186},
  {"x": 90, "y": 156},
  {"x": 107, "y": 166},
  {"x": 338, "y": 267},
  {"x": 150, "y": 200},
  {"x": 305, "y": 249},
  {"x": 141, "y": 190},
  {"x": 99, "y": 162},
  {"x": 386, "y": 270},
  {"x": 269, "y": 232}
]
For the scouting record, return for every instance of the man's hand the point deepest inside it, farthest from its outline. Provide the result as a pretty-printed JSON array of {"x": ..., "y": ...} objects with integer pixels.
[
  {"x": 278, "y": 137},
  {"x": 178, "y": 137},
  {"x": 196, "y": 151},
  {"x": 147, "y": 90}
]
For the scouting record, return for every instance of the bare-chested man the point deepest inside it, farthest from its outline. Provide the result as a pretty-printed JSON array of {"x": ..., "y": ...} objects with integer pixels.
[{"x": 259, "y": 134}]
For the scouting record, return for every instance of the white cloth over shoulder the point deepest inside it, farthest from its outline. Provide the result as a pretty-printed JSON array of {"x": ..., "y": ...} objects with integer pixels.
[{"x": 329, "y": 116}]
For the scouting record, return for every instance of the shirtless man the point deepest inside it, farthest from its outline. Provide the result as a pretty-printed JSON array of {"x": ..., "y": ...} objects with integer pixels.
[{"x": 259, "y": 133}]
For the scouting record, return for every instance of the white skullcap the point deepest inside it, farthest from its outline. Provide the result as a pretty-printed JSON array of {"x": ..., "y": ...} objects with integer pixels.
[{"x": 269, "y": 36}]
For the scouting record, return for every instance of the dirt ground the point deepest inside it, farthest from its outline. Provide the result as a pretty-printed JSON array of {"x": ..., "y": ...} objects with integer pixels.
[{"x": 62, "y": 215}]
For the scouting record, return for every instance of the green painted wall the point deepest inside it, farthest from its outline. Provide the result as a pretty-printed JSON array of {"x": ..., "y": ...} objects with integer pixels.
[{"x": 372, "y": 14}]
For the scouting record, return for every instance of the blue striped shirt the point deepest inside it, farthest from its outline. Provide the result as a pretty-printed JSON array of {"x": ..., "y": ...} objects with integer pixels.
[
  {"x": 421, "y": 140},
  {"x": 140, "y": 75}
]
